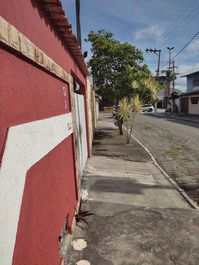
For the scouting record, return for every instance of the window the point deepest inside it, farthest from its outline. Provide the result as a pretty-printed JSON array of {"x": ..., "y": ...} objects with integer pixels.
[
  {"x": 196, "y": 82},
  {"x": 194, "y": 100}
]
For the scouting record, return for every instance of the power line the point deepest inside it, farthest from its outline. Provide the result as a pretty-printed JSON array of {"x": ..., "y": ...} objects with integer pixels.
[
  {"x": 178, "y": 26},
  {"x": 187, "y": 44}
]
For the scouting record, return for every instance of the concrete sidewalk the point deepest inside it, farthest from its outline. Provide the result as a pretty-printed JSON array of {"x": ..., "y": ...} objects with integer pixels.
[{"x": 140, "y": 218}]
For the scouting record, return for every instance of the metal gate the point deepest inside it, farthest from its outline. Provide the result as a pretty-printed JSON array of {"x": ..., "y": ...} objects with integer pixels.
[{"x": 81, "y": 131}]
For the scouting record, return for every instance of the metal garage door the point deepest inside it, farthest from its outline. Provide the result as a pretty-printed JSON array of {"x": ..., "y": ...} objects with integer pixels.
[{"x": 184, "y": 104}]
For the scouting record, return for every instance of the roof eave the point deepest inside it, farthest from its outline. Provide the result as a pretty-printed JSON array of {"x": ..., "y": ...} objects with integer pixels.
[{"x": 56, "y": 14}]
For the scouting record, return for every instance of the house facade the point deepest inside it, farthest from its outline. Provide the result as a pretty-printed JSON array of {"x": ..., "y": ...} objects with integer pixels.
[
  {"x": 40, "y": 127},
  {"x": 189, "y": 101}
]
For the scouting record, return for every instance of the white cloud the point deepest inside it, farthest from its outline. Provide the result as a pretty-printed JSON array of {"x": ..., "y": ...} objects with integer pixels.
[
  {"x": 188, "y": 68},
  {"x": 152, "y": 31},
  {"x": 194, "y": 47},
  {"x": 181, "y": 84},
  {"x": 183, "y": 69}
]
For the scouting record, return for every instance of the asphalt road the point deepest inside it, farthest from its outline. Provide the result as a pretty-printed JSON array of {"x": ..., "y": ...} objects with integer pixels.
[{"x": 175, "y": 145}]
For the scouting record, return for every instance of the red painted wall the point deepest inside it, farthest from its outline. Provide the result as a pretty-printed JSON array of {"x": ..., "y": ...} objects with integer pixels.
[
  {"x": 28, "y": 94},
  {"x": 42, "y": 216},
  {"x": 41, "y": 32}
]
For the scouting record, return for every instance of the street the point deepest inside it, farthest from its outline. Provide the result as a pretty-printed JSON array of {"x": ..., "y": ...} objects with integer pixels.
[{"x": 174, "y": 143}]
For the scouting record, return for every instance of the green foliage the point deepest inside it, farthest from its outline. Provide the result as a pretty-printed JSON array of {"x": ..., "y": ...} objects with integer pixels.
[
  {"x": 147, "y": 89},
  {"x": 115, "y": 65},
  {"x": 136, "y": 104},
  {"x": 128, "y": 108},
  {"x": 125, "y": 109}
]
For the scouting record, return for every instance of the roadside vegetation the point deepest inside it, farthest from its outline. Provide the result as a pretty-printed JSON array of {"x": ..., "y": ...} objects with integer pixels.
[
  {"x": 128, "y": 108},
  {"x": 118, "y": 70}
]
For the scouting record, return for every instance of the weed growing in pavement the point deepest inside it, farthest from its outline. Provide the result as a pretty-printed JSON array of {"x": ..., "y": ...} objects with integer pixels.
[{"x": 81, "y": 216}]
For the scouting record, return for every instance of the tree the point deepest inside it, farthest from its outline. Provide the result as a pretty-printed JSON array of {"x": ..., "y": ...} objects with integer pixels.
[{"x": 114, "y": 66}]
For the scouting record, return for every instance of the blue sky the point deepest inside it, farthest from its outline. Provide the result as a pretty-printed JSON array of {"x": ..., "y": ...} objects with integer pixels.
[{"x": 145, "y": 24}]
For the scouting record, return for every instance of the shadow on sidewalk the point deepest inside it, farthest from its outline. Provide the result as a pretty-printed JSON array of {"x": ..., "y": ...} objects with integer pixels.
[
  {"x": 108, "y": 142},
  {"x": 124, "y": 185}
]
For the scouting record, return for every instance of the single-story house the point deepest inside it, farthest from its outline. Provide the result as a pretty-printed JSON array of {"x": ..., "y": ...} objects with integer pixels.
[{"x": 189, "y": 101}]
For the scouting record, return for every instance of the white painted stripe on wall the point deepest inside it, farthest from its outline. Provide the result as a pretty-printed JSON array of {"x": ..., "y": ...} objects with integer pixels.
[
  {"x": 81, "y": 130},
  {"x": 26, "y": 144}
]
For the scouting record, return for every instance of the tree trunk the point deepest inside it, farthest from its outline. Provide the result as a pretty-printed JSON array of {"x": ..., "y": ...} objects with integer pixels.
[
  {"x": 118, "y": 119},
  {"x": 120, "y": 123}
]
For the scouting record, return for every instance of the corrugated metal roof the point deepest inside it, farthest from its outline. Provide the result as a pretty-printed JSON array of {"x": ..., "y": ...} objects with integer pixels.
[
  {"x": 55, "y": 12},
  {"x": 189, "y": 93},
  {"x": 189, "y": 74}
]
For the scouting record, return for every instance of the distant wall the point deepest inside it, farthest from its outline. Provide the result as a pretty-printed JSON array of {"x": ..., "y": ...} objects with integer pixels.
[{"x": 194, "y": 108}]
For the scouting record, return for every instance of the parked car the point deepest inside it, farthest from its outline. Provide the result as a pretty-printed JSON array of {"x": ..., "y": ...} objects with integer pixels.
[{"x": 147, "y": 108}]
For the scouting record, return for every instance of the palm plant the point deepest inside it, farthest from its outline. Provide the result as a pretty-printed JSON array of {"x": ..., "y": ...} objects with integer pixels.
[
  {"x": 127, "y": 112},
  {"x": 146, "y": 91}
]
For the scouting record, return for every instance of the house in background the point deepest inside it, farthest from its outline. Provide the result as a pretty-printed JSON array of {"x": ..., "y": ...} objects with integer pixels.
[
  {"x": 44, "y": 130},
  {"x": 189, "y": 101}
]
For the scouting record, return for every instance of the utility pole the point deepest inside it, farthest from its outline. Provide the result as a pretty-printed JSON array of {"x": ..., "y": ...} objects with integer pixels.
[
  {"x": 173, "y": 75},
  {"x": 170, "y": 48},
  {"x": 78, "y": 23},
  {"x": 158, "y": 53}
]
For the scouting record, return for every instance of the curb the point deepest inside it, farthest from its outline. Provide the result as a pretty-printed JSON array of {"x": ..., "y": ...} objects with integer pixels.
[
  {"x": 176, "y": 118},
  {"x": 177, "y": 187}
]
